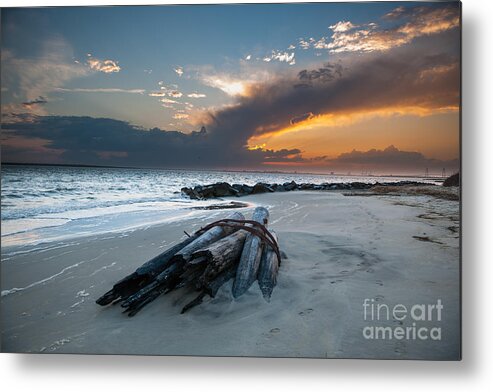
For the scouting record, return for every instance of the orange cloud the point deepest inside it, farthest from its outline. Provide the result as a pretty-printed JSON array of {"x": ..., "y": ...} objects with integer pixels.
[
  {"x": 349, "y": 118},
  {"x": 347, "y": 37}
]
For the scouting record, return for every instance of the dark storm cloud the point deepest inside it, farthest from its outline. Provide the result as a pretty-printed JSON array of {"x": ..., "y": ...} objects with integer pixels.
[
  {"x": 301, "y": 118},
  {"x": 283, "y": 155},
  {"x": 394, "y": 80},
  {"x": 38, "y": 101},
  {"x": 391, "y": 158},
  {"x": 323, "y": 74},
  {"x": 87, "y": 140}
]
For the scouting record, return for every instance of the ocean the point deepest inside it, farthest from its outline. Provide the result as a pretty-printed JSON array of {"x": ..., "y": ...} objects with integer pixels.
[{"x": 48, "y": 203}]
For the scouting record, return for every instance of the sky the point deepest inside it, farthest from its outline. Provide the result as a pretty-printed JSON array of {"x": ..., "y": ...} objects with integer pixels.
[{"x": 320, "y": 87}]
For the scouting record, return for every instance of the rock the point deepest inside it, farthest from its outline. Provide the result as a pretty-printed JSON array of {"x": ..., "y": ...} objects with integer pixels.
[
  {"x": 358, "y": 185},
  {"x": 206, "y": 192},
  {"x": 191, "y": 193},
  {"x": 453, "y": 180},
  {"x": 222, "y": 189},
  {"x": 261, "y": 188},
  {"x": 290, "y": 186},
  {"x": 247, "y": 189}
]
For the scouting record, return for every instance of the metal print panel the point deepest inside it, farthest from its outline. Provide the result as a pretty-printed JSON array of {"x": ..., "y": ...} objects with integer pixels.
[{"x": 272, "y": 180}]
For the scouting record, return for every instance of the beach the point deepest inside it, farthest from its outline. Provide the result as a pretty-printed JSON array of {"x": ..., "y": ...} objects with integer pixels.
[{"x": 340, "y": 251}]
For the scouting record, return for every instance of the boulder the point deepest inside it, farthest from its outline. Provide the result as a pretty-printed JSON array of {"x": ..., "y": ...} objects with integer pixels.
[
  {"x": 222, "y": 189},
  {"x": 261, "y": 188},
  {"x": 190, "y": 193},
  {"x": 290, "y": 186},
  {"x": 453, "y": 180},
  {"x": 306, "y": 187}
]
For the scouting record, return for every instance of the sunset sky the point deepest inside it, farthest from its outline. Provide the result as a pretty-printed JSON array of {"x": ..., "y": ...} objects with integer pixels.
[{"x": 360, "y": 87}]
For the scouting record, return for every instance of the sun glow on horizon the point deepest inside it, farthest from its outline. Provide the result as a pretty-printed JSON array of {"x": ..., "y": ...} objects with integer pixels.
[{"x": 332, "y": 134}]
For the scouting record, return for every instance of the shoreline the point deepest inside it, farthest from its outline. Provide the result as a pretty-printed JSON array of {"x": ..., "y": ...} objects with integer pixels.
[
  {"x": 340, "y": 251},
  {"x": 71, "y": 224}
]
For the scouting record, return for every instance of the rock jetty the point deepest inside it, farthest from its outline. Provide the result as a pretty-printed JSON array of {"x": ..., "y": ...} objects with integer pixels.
[{"x": 224, "y": 189}]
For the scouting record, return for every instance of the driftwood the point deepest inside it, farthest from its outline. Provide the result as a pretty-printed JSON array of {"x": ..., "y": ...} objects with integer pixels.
[
  {"x": 232, "y": 248},
  {"x": 222, "y": 254},
  {"x": 210, "y": 236},
  {"x": 171, "y": 277},
  {"x": 267, "y": 273},
  {"x": 211, "y": 287},
  {"x": 216, "y": 264},
  {"x": 250, "y": 256},
  {"x": 145, "y": 274},
  {"x": 159, "y": 285},
  {"x": 142, "y": 275}
]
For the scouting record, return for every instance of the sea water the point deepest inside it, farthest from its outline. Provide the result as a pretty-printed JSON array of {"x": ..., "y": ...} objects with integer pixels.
[{"x": 47, "y": 203}]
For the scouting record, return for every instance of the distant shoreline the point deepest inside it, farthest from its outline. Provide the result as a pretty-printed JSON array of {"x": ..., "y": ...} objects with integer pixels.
[{"x": 221, "y": 170}]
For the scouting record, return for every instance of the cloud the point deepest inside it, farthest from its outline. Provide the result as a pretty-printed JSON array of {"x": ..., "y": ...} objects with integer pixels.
[
  {"x": 391, "y": 82},
  {"x": 389, "y": 155},
  {"x": 284, "y": 155},
  {"x": 248, "y": 57},
  {"x": 196, "y": 95},
  {"x": 300, "y": 118},
  {"x": 87, "y": 140},
  {"x": 167, "y": 100},
  {"x": 180, "y": 116},
  {"x": 322, "y": 44},
  {"x": 47, "y": 70},
  {"x": 305, "y": 45},
  {"x": 341, "y": 27},
  {"x": 414, "y": 22},
  {"x": 166, "y": 94},
  {"x": 105, "y": 66},
  {"x": 236, "y": 83},
  {"x": 328, "y": 72},
  {"x": 38, "y": 101},
  {"x": 102, "y": 90},
  {"x": 226, "y": 84},
  {"x": 178, "y": 70},
  {"x": 175, "y": 94},
  {"x": 281, "y": 56},
  {"x": 391, "y": 158},
  {"x": 35, "y": 76}
]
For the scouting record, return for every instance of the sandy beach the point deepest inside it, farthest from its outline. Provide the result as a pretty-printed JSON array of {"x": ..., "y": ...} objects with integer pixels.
[{"x": 340, "y": 251}]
